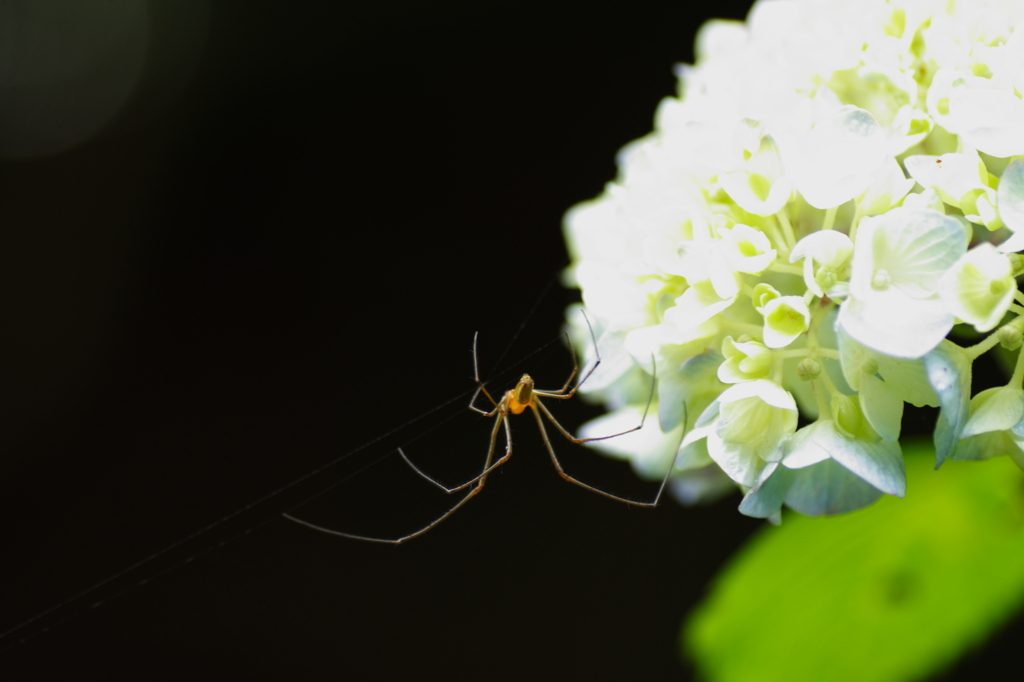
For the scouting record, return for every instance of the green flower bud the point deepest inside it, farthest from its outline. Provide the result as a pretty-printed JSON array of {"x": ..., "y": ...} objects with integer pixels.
[
  {"x": 849, "y": 418},
  {"x": 763, "y": 293},
  {"x": 1010, "y": 336},
  {"x": 979, "y": 206},
  {"x": 826, "y": 277},
  {"x": 1016, "y": 264},
  {"x": 808, "y": 369},
  {"x": 744, "y": 361},
  {"x": 785, "y": 318}
]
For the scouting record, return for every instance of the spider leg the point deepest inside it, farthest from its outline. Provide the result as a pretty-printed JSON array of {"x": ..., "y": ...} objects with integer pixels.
[
  {"x": 472, "y": 403},
  {"x": 572, "y": 479},
  {"x": 575, "y": 366},
  {"x": 578, "y": 441},
  {"x": 479, "y": 480},
  {"x": 476, "y": 394},
  {"x": 480, "y": 386},
  {"x": 560, "y": 396},
  {"x": 388, "y": 541},
  {"x": 488, "y": 468},
  {"x": 562, "y": 392}
]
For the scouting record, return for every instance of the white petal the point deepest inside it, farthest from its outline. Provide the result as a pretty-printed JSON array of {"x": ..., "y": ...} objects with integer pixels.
[
  {"x": 802, "y": 450},
  {"x": 740, "y": 463},
  {"x": 951, "y": 175},
  {"x": 700, "y": 486},
  {"x": 900, "y": 326},
  {"x": 1011, "y": 198},
  {"x": 829, "y": 488},
  {"x": 685, "y": 382},
  {"x": 986, "y": 446},
  {"x": 615, "y": 362},
  {"x": 890, "y": 185},
  {"x": 718, "y": 38},
  {"x": 768, "y": 391},
  {"x": 907, "y": 379},
  {"x": 992, "y": 121},
  {"x": 649, "y": 450},
  {"x": 979, "y": 287},
  {"x": 723, "y": 277},
  {"x": 660, "y": 342},
  {"x": 785, "y": 319},
  {"x": 996, "y": 409},
  {"x": 661, "y": 253},
  {"x": 766, "y": 496},
  {"x": 838, "y": 159},
  {"x": 697, "y": 305},
  {"x": 882, "y": 406},
  {"x": 760, "y": 188},
  {"x": 913, "y": 247},
  {"x": 949, "y": 373},
  {"x": 926, "y": 200},
  {"x": 693, "y": 456},
  {"x": 746, "y": 249},
  {"x": 1015, "y": 59},
  {"x": 880, "y": 464},
  {"x": 1015, "y": 242},
  {"x": 828, "y": 247}
]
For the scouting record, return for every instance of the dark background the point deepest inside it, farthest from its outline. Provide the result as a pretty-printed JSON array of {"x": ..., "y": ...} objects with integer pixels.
[{"x": 231, "y": 287}]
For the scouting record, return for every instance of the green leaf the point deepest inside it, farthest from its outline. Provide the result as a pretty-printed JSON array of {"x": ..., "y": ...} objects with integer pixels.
[{"x": 893, "y": 592}]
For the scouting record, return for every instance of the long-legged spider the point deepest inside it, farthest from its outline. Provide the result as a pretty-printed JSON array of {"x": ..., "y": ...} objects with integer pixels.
[{"x": 515, "y": 401}]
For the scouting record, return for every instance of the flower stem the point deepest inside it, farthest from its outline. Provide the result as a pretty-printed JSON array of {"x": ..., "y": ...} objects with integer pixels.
[
  {"x": 824, "y": 411},
  {"x": 827, "y": 380},
  {"x": 830, "y": 218},
  {"x": 781, "y": 245},
  {"x": 982, "y": 347},
  {"x": 857, "y": 215},
  {"x": 1017, "y": 380},
  {"x": 787, "y": 269},
  {"x": 804, "y": 352},
  {"x": 787, "y": 227},
  {"x": 755, "y": 330}
]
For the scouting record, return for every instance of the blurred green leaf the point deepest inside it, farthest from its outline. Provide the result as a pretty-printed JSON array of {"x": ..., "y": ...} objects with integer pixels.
[{"x": 893, "y": 592}]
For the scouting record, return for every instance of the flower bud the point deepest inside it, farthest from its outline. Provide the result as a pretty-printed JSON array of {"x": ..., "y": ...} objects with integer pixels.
[
  {"x": 1010, "y": 336},
  {"x": 763, "y": 294},
  {"x": 744, "y": 361},
  {"x": 849, "y": 418},
  {"x": 826, "y": 277},
  {"x": 808, "y": 369},
  {"x": 785, "y": 318},
  {"x": 1016, "y": 263}
]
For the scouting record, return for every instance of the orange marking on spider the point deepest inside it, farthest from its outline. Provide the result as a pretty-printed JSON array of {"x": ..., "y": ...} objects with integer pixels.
[{"x": 516, "y": 401}]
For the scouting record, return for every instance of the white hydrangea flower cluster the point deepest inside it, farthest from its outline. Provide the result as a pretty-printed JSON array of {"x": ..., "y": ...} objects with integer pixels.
[{"x": 836, "y": 185}]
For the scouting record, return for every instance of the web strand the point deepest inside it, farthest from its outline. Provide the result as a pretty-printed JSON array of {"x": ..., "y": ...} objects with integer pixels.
[{"x": 7, "y": 637}]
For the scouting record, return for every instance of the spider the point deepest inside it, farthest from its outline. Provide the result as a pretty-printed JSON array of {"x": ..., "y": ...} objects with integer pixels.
[{"x": 515, "y": 401}]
